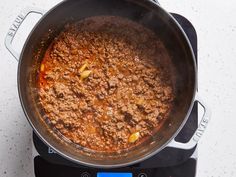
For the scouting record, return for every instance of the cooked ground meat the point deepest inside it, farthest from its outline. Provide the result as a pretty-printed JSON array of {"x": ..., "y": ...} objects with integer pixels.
[{"x": 104, "y": 83}]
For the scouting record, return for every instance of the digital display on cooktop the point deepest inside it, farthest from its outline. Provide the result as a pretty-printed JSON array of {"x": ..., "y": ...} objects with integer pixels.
[{"x": 107, "y": 174}]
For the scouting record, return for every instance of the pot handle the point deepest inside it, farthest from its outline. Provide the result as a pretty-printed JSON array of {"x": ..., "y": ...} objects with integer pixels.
[
  {"x": 198, "y": 133},
  {"x": 16, "y": 25}
]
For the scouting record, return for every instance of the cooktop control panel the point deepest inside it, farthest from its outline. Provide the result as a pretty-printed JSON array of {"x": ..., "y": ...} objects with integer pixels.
[{"x": 44, "y": 168}]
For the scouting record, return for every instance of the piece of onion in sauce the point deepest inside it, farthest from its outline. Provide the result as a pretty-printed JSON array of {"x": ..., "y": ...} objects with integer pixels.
[
  {"x": 83, "y": 67},
  {"x": 42, "y": 67},
  {"x": 134, "y": 137},
  {"x": 85, "y": 74}
]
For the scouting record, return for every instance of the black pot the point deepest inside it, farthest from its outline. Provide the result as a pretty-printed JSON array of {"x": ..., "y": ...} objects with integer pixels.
[{"x": 145, "y": 12}]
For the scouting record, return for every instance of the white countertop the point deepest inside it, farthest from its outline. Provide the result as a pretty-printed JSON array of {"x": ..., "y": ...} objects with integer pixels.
[{"x": 215, "y": 22}]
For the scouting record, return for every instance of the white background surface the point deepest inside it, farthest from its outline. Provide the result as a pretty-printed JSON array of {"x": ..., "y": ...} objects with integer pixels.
[{"x": 215, "y": 22}]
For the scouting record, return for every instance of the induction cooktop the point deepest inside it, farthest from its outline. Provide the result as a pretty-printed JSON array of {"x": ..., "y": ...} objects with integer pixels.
[{"x": 170, "y": 162}]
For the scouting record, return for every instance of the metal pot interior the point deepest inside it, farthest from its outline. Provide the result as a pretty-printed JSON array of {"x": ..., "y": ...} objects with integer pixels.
[{"x": 143, "y": 12}]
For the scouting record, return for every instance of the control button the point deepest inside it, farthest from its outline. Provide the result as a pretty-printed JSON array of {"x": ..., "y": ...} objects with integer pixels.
[
  {"x": 142, "y": 175},
  {"x": 85, "y": 174}
]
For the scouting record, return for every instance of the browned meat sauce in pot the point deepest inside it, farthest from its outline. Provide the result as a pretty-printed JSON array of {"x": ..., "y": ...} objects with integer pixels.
[{"x": 105, "y": 83}]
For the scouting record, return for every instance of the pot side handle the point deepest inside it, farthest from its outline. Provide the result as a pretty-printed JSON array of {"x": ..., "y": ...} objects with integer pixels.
[
  {"x": 198, "y": 133},
  {"x": 16, "y": 25}
]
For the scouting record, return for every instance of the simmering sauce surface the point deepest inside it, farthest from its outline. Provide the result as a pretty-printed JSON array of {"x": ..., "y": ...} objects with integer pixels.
[{"x": 104, "y": 83}]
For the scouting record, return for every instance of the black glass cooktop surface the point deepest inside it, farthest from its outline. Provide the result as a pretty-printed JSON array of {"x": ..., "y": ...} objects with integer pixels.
[{"x": 170, "y": 162}]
